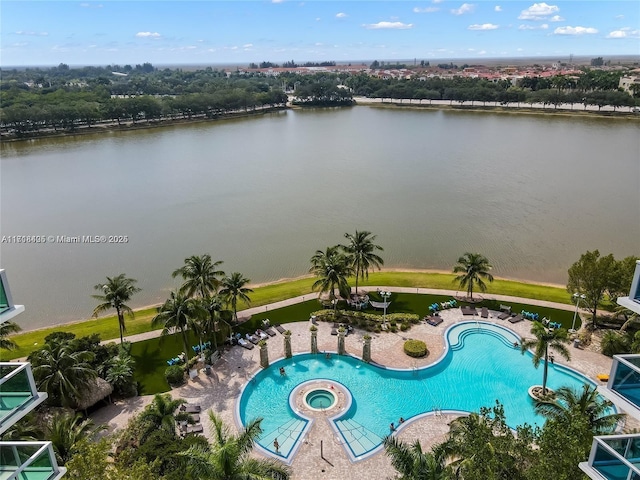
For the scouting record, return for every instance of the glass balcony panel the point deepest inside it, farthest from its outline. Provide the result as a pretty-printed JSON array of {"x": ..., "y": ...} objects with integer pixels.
[
  {"x": 16, "y": 455},
  {"x": 633, "y": 360},
  {"x": 626, "y": 383},
  {"x": 609, "y": 466},
  {"x": 15, "y": 392},
  {"x": 4, "y": 302},
  {"x": 633, "y": 453}
]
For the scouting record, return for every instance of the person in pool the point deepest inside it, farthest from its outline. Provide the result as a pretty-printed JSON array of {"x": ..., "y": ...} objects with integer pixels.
[
  {"x": 282, "y": 372},
  {"x": 401, "y": 420},
  {"x": 392, "y": 427}
]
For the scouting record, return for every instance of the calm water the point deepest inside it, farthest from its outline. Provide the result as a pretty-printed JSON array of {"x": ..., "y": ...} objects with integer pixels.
[
  {"x": 480, "y": 367},
  {"x": 530, "y": 192}
]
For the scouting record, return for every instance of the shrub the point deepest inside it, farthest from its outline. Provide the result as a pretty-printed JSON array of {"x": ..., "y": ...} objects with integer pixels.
[
  {"x": 174, "y": 375},
  {"x": 404, "y": 326},
  {"x": 415, "y": 348}
]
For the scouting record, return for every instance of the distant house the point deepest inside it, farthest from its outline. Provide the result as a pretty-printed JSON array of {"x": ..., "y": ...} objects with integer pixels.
[{"x": 627, "y": 81}]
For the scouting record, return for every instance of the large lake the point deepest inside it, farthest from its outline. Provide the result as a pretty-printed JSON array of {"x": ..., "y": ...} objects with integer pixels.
[{"x": 531, "y": 192}]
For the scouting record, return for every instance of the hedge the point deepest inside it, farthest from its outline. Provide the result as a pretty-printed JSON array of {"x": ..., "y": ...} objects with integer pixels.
[{"x": 415, "y": 348}]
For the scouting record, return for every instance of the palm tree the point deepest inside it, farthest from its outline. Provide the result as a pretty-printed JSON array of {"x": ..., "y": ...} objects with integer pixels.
[
  {"x": 62, "y": 372},
  {"x": 217, "y": 313},
  {"x": 117, "y": 291},
  {"x": 179, "y": 313},
  {"x": 6, "y": 329},
  {"x": 545, "y": 339},
  {"x": 233, "y": 288},
  {"x": 472, "y": 268},
  {"x": 200, "y": 276},
  {"x": 228, "y": 457},
  {"x": 120, "y": 373},
  {"x": 66, "y": 430},
  {"x": 332, "y": 269},
  {"x": 586, "y": 403},
  {"x": 414, "y": 464},
  {"x": 361, "y": 254},
  {"x": 161, "y": 414}
]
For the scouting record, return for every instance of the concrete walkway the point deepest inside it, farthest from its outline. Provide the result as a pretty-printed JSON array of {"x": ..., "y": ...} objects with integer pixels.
[{"x": 246, "y": 314}]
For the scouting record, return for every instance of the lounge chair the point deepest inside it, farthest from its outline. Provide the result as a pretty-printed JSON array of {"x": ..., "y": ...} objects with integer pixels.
[
  {"x": 516, "y": 319},
  {"x": 504, "y": 316},
  {"x": 334, "y": 331},
  {"x": 484, "y": 312},
  {"x": 195, "y": 418},
  {"x": 195, "y": 428},
  {"x": 261, "y": 334},
  {"x": 271, "y": 332},
  {"x": 252, "y": 338},
  {"x": 468, "y": 310},
  {"x": 187, "y": 408},
  {"x": 434, "y": 321},
  {"x": 243, "y": 343},
  {"x": 279, "y": 328}
]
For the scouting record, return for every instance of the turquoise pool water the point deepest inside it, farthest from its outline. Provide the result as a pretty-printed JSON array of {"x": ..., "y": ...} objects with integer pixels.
[{"x": 479, "y": 367}]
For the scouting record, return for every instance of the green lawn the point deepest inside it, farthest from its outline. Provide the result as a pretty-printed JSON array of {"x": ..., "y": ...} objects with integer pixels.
[{"x": 107, "y": 327}]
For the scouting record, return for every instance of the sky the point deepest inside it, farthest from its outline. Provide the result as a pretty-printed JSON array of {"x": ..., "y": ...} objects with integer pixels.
[{"x": 103, "y": 32}]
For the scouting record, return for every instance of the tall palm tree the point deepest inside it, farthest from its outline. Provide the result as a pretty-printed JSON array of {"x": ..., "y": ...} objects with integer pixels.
[
  {"x": 414, "y": 464},
  {"x": 6, "y": 329},
  {"x": 213, "y": 304},
  {"x": 179, "y": 313},
  {"x": 473, "y": 268},
  {"x": 586, "y": 403},
  {"x": 200, "y": 276},
  {"x": 332, "y": 269},
  {"x": 233, "y": 288},
  {"x": 228, "y": 457},
  {"x": 361, "y": 254},
  {"x": 66, "y": 430},
  {"x": 162, "y": 414},
  {"x": 117, "y": 291},
  {"x": 62, "y": 372},
  {"x": 545, "y": 339}
]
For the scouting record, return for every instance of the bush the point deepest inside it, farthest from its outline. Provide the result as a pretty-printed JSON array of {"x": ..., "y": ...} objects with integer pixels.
[
  {"x": 404, "y": 326},
  {"x": 174, "y": 375},
  {"x": 415, "y": 348}
]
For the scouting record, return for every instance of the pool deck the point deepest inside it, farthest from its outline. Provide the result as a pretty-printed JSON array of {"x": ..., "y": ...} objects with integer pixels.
[{"x": 220, "y": 390}]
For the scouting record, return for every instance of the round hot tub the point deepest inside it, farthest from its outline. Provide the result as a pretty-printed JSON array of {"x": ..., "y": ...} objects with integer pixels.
[{"x": 320, "y": 399}]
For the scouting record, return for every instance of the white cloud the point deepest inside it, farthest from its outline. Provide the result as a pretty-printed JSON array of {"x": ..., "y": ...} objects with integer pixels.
[
  {"x": 32, "y": 34},
  {"x": 247, "y": 45},
  {"x": 277, "y": 1},
  {"x": 148, "y": 35},
  {"x": 388, "y": 25},
  {"x": 91, "y": 5},
  {"x": 341, "y": 15},
  {"x": 544, "y": 26},
  {"x": 556, "y": 18},
  {"x": 484, "y": 26},
  {"x": 624, "y": 32},
  {"x": 425, "y": 9},
  {"x": 574, "y": 30},
  {"x": 482, "y": 52},
  {"x": 497, "y": 8},
  {"x": 538, "y": 11},
  {"x": 464, "y": 8},
  {"x": 619, "y": 17}
]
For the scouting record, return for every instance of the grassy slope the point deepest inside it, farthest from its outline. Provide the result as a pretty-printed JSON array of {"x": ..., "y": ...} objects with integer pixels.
[{"x": 107, "y": 327}]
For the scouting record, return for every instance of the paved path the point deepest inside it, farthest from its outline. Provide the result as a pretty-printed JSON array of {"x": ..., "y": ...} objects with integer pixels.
[{"x": 246, "y": 314}]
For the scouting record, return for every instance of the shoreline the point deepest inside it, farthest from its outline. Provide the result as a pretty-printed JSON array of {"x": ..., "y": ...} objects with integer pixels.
[
  {"x": 109, "y": 127},
  {"x": 286, "y": 280}
]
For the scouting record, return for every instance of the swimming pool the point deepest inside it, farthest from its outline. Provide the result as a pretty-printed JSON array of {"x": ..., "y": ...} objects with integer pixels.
[{"x": 479, "y": 366}]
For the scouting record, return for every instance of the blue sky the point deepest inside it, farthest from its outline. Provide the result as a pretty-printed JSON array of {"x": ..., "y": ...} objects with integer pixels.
[{"x": 101, "y": 32}]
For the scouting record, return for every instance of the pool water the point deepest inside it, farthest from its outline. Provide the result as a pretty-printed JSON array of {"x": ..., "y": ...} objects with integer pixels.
[
  {"x": 320, "y": 399},
  {"x": 479, "y": 367}
]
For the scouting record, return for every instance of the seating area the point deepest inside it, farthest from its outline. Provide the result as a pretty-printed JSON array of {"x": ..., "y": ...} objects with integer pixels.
[
  {"x": 434, "y": 320},
  {"x": 516, "y": 319},
  {"x": 204, "y": 346},
  {"x": 530, "y": 315},
  {"x": 336, "y": 326},
  {"x": 359, "y": 302},
  {"x": 435, "y": 307},
  {"x": 179, "y": 360},
  {"x": 484, "y": 313},
  {"x": 192, "y": 425},
  {"x": 506, "y": 312}
]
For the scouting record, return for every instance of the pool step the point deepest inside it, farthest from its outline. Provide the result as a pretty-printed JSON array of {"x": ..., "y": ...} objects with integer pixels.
[
  {"x": 287, "y": 434},
  {"x": 359, "y": 438}
]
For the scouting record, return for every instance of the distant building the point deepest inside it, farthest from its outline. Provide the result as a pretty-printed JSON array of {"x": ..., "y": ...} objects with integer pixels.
[{"x": 627, "y": 81}]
